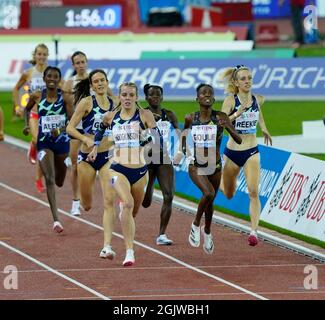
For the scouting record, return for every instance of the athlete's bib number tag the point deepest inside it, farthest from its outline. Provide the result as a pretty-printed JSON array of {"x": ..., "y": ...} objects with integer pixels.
[
  {"x": 50, "y": 123},
  {"x": 36, "y": 84},
  {"x": 164, "y": 128},
  {"x": 204, "y": 136},
  {"x": 98, "y": 118},
  {"x": 126, "y": 135}
]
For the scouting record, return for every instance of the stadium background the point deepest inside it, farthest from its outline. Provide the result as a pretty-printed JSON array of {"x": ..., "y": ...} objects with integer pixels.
[{"x": 180, "y": 34}]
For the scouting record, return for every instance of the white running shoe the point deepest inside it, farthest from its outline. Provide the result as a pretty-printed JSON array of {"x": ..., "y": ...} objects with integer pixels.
[
  {"x": 194, "y": 236},
  {"x": 129, "y": 258},
  {"x": 57, "y": 227},
  {"x": 162, "y": 240},
  {"x": 208, "y": 245},
  {"x": 107, "y": 253},
  {"x": 75, "y": 208}
]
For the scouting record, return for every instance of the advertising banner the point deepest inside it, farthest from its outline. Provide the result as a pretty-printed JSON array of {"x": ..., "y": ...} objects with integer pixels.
[
  {"x": 300, "y": 78},
  {"x": 264, "y": 9},
  {"x": 297, "y": 202}
]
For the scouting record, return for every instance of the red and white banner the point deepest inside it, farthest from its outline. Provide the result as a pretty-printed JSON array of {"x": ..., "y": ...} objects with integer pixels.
[{"x": 297, "y": 202}]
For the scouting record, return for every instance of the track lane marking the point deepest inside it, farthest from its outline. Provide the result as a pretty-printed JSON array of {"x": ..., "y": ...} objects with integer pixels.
[
  {"x": 177, "y": 261},
  {"x": 45, "y": 266}
]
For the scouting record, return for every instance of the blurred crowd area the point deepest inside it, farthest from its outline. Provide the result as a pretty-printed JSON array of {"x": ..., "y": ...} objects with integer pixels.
[{"x": 264, "y": 21}]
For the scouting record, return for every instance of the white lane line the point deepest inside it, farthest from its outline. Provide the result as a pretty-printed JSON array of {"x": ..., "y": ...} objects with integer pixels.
[
  {"x": 45, "y": 266},
  {"x": 141, "y": 245},
  {"x": 174, "y": 268}
]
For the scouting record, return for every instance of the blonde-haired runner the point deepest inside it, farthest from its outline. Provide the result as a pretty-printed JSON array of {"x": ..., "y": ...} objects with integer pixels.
[
  {"x": 128, "y": 171},
  {"x": 244, "y": 110},
  {"x": 33, "y": 77}
]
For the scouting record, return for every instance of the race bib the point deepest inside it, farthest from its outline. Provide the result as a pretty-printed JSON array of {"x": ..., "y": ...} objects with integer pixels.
[
  {"x": 50, "y": 123},
  {"x": 36, "y": 84},
  {"x": 247, "y": 122},
  {"x": 164, "y": 128},
  {"x": 204, "y": 136},
  {"x": 126, "y": 135},
  {"x": 98, "y": 118}
]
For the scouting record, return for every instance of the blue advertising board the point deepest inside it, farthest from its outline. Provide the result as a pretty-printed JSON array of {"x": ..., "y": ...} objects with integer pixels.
[
  {"x": 264, "y": 9},
  {"x": 300, "y": 78}
]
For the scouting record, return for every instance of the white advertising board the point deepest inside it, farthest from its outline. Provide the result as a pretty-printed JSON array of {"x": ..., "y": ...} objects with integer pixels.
[{"x": 297, "y": 202}]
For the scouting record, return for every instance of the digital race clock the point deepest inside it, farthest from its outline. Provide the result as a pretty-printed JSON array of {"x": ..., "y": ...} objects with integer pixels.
[{"x": 109, "y": 17}]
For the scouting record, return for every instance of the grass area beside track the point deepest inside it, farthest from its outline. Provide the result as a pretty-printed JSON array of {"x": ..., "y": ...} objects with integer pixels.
[{"x": 282, "y": 117}]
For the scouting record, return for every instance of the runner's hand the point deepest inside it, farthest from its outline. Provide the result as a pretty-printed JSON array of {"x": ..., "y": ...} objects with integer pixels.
[
  {"x": 26, "y": 130},
  {"x": 92, "y": 155},
  {"x": 267, "y": 138}
]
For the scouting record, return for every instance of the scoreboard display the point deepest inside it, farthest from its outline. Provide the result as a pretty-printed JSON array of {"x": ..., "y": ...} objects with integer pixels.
[{"x": 104, "y": 17}]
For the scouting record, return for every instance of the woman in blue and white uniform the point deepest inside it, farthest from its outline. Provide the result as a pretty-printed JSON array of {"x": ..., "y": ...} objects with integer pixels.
[
  {"x": 128, "y": 171},
  {"x": 244, "y": 110},
  {"x": 54, "y": 110},
  {"x": 90, "y": 111}
]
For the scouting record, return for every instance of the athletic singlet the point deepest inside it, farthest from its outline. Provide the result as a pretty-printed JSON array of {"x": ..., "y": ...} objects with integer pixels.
[
  {"x": 92, "y": 121},
  {"x": 51, "y": 116},
  {"x": 246, "y": 123},
  {"x": 36, "y": 81},
  {"x": 205, "y": 134},
  {"x": 165, "y": 126},
  {"x": 126, "y": 133}
]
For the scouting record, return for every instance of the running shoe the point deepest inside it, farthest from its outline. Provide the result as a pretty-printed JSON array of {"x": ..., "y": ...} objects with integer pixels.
[
  {"x": 68, "y": 162},
  {"x": 107, "y": 253},
  {"x": 39, "y": 186},
  {"x": 75, "y": 208},
  {"x": 32, "y": 153},
  {"x": 194, "y": 236},
  {"x": 129, "y": 258},
  {"x": 57, "y": 227},
  {"x": 208, "y": 245},
  {"x": 162, "y": 240},
  {"x": 253, "y": 239}
]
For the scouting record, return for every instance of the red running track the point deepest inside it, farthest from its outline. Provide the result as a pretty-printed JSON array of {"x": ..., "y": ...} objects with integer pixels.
[{"x": 67, "y": 266}]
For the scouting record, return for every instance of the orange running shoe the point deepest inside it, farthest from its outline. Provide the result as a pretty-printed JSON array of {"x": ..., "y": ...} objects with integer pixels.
[
  {"x": 31, "y": 154},
  {"x": 39, "y": 186}
]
